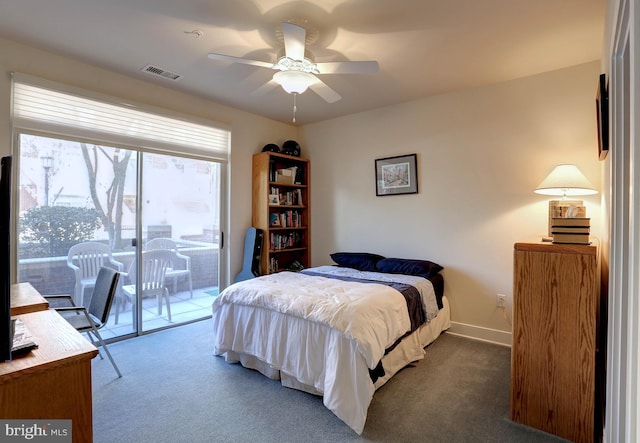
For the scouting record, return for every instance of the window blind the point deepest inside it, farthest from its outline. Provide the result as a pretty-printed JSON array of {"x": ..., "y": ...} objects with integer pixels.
[{"x": 42, "y": 105}]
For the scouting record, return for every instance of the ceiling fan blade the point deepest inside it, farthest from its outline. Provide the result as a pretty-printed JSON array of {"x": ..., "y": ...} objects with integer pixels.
[
  {"x": 246, "y": 61},
  {"x": 324, "y": 91},
  {"x": 294, "y": 40},
  {"x": 268, "y": 86},
  {"x": 368, "y": 67}
]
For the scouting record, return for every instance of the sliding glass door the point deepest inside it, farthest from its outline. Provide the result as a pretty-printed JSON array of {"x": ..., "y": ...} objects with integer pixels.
[
  {"x": 84, "y": 203},
  {"x": 179, "y": 212}
]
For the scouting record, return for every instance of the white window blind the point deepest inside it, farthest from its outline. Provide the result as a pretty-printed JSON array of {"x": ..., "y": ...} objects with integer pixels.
[{"x": 46, "y": 106}]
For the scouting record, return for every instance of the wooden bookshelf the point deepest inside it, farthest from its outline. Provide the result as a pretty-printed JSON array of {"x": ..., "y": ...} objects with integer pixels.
[{"x": 285, "y": 220}]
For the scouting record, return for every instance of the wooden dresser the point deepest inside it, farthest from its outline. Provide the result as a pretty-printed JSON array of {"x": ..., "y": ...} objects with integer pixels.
[
  {"x": 555, "y": 339},
  {"x": 54, "y": 380}
]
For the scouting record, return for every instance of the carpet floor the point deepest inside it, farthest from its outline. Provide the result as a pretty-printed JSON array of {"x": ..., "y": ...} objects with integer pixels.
[{"x": 175, "y": 390}]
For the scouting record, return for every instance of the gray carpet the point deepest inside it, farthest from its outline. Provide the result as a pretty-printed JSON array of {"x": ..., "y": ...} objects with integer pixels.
[{"x": 174, "y": 390}]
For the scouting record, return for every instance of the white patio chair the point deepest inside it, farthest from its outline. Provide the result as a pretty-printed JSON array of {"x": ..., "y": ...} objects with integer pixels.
[
  {"x": 180, "y": 264},
  {"x": 86, "y": 259},
  {"x": 153, "y": 270}
]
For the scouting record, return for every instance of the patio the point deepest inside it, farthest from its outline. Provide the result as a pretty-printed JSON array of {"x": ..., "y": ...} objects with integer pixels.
[
  {"x": 51, "y": 275},
  {"x": 184, "y": 309}
]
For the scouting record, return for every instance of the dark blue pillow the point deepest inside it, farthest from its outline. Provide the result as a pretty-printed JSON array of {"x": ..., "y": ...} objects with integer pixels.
[
  {"x": 362, "y": 261},
  {"x": 421, "y": 268}
]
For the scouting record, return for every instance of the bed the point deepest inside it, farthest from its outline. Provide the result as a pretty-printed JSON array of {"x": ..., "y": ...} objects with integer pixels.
[{"x": 339, "y": 331}]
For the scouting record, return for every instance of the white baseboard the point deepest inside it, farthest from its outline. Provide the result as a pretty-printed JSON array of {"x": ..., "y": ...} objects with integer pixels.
[{"x": 479, "y": 333}]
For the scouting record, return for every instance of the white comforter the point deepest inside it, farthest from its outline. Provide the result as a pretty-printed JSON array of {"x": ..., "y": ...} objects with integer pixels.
[{"x": 313, "y": 327}]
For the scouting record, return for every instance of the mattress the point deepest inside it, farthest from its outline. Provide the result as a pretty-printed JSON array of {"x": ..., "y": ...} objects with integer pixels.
[{"x": 274, "y": 325}]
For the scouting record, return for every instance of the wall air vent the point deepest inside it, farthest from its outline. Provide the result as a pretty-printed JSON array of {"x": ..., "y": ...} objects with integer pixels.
[{"x": 161, "y": 72}]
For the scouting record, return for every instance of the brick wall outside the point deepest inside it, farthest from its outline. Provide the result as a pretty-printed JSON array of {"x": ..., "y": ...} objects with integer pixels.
[{"x": 53, "y": 276}]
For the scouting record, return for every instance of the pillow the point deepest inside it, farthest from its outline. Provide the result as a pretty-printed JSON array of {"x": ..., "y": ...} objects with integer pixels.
[
  {"x": 362, "y": 261},
  {"x": 421, "y": 268}
]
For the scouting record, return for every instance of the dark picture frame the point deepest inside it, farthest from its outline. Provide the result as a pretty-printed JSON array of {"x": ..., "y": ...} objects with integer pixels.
[
  {"x": 397, "y": 175},
  {"x": 602, "y": 115}
]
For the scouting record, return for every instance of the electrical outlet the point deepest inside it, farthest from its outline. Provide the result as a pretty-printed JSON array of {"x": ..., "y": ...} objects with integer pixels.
[{"x": 501, "y": 301}]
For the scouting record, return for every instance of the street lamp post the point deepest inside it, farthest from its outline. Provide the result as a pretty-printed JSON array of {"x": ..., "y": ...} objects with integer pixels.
[{"x": 47, "y": 164}]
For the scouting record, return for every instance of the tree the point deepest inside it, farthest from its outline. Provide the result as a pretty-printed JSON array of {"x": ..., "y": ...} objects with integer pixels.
[
  {"x": 57, "y": 228},
  {"x": 110, "y": 212}
]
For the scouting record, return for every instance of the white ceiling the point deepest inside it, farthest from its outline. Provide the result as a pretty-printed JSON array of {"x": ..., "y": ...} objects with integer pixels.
[{"x": 424, "y": 47}]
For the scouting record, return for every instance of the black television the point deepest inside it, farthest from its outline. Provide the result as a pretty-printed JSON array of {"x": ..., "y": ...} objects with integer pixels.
[{"x": 6, "y": 329}]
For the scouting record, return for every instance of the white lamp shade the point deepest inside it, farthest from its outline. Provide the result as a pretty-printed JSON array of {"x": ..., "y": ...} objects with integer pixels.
[
  {"x": 294, "y": 81},
  {"x": 566, "y": 180}
]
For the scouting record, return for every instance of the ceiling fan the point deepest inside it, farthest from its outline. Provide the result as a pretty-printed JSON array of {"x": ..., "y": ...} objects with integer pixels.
[{"x": 296, "y": 72}]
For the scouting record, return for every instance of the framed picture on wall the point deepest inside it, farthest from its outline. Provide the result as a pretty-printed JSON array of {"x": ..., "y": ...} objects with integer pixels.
[
  {"x": 602, "y": 115},
  {"x": 396, "y": 175}
]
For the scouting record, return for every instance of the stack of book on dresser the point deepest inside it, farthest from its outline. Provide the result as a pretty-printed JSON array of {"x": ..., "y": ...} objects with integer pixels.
[{"x": 570, "y": 230}]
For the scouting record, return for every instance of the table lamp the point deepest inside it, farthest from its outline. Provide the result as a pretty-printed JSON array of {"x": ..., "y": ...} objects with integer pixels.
[{"x": 563, "y": 181}]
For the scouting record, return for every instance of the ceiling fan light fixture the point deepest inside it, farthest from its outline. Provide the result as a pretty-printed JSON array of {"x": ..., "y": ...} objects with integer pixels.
[
  {"x": 294, "y": 82},
  {"x": 296, "y": 67},
  {"x": 288, "y": 64}
]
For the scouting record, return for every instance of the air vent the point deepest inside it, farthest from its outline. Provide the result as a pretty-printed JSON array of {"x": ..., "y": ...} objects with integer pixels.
[{"x": 161, "y": 72}]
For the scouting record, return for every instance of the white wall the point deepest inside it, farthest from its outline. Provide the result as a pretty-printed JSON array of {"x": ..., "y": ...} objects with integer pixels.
[
  {"x": 481, "y": 153},
  {"x": 249, "y": 132}
]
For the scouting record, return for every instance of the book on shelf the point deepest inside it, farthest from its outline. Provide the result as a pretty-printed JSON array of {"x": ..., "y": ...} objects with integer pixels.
[
  {"x": 570, "y": 229},
  {"x": 285, "y": 219},
  {"x": 571, "y": 238},
  {"x": 286, "y": 198},
  {"x": 299, "y": 179},
  {"x": 273, "y": 265},
  {"x": 274, "y": 220},
  {"x": 284, "y": 241},
  {"x": 272, "y": 170},
  {"x": 570, "y": 221}
]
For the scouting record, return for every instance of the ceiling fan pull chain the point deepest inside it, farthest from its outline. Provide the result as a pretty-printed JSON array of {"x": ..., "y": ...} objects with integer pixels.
[{"x": 294, "y": 106}]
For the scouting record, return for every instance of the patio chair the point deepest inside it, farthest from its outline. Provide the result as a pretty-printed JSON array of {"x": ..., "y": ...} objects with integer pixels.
[
  {"x": 180, "y": 264},
  {"x": 154, "y": 267},
  {"x": 86, "y": 259},
  {"x": 90, "y": 320}
]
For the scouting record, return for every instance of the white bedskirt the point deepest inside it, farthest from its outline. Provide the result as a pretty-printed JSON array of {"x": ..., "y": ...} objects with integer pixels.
[{"x": 301, "y": 359}]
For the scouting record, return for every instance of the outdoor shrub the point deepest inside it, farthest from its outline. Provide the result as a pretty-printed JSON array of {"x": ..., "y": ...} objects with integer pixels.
[{"x": 54, "y": 229}]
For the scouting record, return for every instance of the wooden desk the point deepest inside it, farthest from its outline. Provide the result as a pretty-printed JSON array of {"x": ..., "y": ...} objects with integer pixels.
[
  {"x": 54, "y": 380},
  {"x": 25, "y": 299}
]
